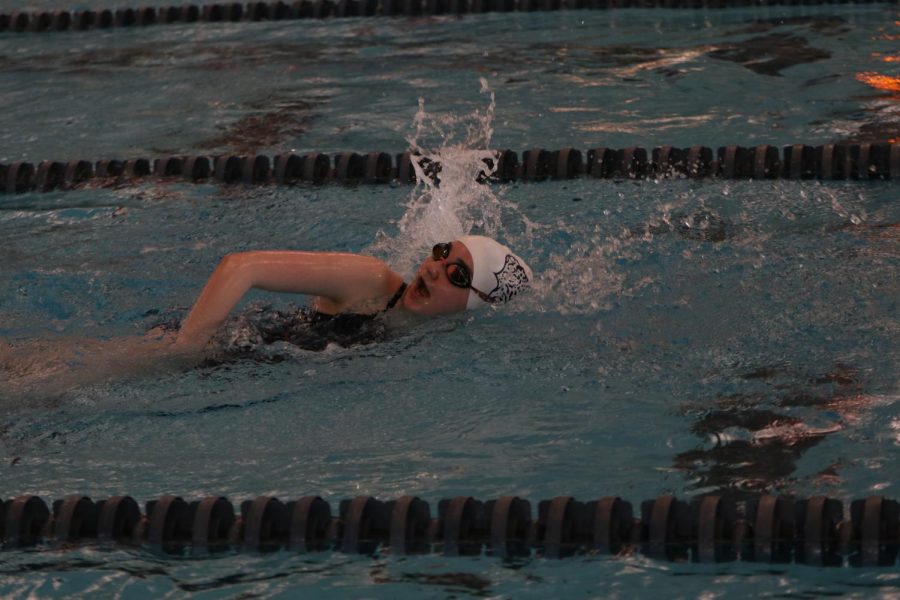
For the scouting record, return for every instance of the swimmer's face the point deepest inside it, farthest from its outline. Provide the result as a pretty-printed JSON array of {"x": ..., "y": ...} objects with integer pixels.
[{"x": 431, "y": 292}]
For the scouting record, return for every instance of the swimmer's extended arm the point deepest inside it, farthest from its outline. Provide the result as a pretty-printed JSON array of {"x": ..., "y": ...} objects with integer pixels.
[{"x": 341, "y": 282}]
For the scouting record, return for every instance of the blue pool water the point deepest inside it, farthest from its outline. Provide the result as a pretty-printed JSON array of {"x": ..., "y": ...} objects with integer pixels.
[
  {"x": 570, "y": 78},
  {"x": 683, "y": 336}
]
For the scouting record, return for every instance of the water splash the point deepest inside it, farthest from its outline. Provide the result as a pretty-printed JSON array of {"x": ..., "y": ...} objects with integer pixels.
[
  {"x": 447, "y": 201},
  {"x": 585, "y": 272}
]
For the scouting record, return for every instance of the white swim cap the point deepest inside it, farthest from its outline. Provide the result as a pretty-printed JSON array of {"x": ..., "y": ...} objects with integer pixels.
[{"x": 498, "y": 272}]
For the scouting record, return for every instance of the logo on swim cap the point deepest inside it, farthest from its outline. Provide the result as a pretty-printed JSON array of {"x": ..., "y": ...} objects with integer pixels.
[
  {"x": 510, "y": 279},
  {"x": 495, "y": 268}
]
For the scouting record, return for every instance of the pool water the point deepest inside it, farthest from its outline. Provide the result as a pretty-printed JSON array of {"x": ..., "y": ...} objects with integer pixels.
[
  {"x": 571, "y": 78},
  {"x": 683, "y": 336}
]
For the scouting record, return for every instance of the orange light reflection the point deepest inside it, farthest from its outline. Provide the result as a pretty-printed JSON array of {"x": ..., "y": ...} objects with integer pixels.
[{"x": 880, "y": 82}]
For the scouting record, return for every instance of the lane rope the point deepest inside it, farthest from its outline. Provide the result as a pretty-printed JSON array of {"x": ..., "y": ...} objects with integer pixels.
[
  {"x": 852, "y": 162},
  {"x": 819, "y": 531},
  {"x": 99, "y": 19}
]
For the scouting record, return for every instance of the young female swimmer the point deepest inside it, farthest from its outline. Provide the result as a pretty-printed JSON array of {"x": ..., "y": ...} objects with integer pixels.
[
  {"x": 349, "y": 290},
  {"x": 470, "y": 272}
]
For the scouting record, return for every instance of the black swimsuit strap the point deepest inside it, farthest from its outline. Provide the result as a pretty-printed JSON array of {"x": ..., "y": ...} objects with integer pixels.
[{"x": 396, "y": 296}]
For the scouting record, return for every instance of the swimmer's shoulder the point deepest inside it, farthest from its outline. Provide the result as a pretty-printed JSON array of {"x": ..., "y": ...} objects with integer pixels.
[{"x": 375, "y": 288}]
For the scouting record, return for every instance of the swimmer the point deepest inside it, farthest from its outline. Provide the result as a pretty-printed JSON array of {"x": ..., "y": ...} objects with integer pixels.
[
  {"x": 468, "y": 273},
  {"x": 348, "y": 290}
]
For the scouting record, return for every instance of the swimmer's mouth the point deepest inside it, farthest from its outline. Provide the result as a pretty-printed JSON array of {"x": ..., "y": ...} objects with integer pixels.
[{"x": 421, "y": 288}]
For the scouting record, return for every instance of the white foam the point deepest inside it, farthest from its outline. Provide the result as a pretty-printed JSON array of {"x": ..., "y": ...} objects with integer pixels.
[{"x": 454, "y": 205}]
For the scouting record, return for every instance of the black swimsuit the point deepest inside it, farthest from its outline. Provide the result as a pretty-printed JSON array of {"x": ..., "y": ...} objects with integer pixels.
[{"x": 306, "y": 329}]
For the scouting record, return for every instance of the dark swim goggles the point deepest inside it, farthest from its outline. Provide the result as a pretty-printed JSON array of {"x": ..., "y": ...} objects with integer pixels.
[{"x": 458, "y": 273}]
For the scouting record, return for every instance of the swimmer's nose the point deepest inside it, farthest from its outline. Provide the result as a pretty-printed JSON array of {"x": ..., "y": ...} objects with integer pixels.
[{"x": 433, "y": 269}]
